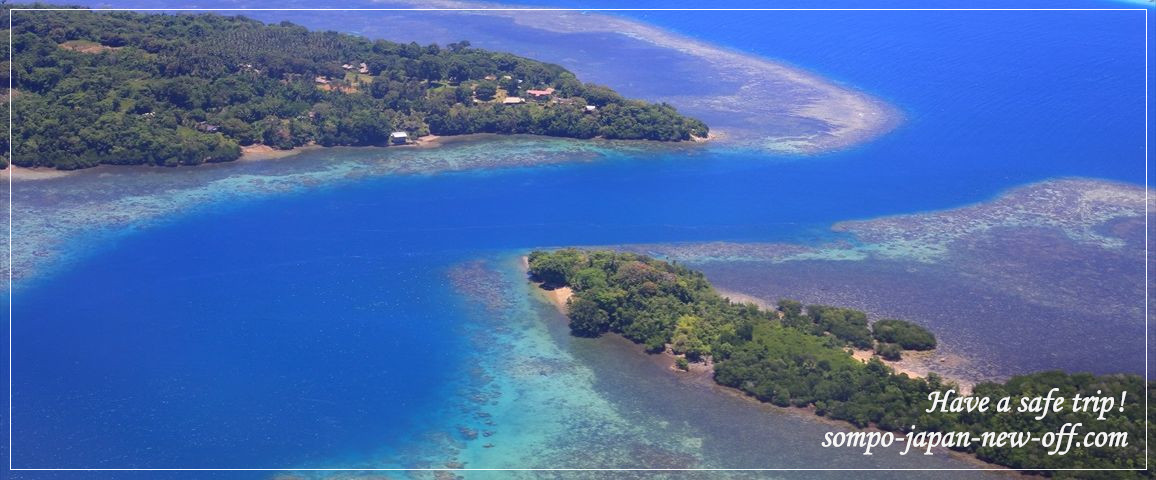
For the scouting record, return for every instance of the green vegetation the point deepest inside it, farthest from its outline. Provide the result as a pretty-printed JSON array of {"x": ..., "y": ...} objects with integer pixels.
[
  {"x": 906, "y": 335},
  {"x": 796, "y": 356},
  {"x": 889, "y": 351},
  {"x": 128, "y": 88},
  {"x": 844, "y": 323}
]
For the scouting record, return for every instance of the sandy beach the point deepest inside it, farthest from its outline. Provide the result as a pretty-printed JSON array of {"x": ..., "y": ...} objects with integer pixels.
[
  {"x": 23, "y": 173},
  {"x": 428, "y": 141},
  {"x": 737, "y": 297},
  {"x": 710, "y": 137},
  {"x": 559, "y": 297},
  {"x": 916, "y": 364},
  {"x": 258, "y": 152}
]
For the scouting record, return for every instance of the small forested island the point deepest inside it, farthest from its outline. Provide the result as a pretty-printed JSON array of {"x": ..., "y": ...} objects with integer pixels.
[
  {"x": 95, "y": 88},
  {"x": 798, "y": 356}
]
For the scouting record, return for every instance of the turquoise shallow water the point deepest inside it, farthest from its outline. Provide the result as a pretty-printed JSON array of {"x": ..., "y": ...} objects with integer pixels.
[{"x": 319, "y": 311}]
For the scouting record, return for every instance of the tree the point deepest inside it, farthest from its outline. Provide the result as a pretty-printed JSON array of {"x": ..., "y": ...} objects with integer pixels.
[
  {"x": 486, "y": 90},
  {"x": 906, "y": 335},
  {"x": 889, "y": 351},
  {"x": 790, "y": 308},
  {"x": 586, "y": 319},
  {"x": 458, "y": 46},
  {"x": 431, "y": 68}
]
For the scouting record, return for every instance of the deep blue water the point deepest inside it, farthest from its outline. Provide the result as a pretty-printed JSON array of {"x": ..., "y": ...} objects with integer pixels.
[
  {"x": 250, "y": 333},
  {"x": 992, "y": 98},
  {"x": 303, "y": 329}
]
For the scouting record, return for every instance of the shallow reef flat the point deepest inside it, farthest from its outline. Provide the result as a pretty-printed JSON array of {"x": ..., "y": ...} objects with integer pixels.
[
  {"x": 1084, "y": 211},
  {"x": 527, "y": 402},
  {"x": 1093, "y": 213},
  {"x": 1057, "y": 268}
]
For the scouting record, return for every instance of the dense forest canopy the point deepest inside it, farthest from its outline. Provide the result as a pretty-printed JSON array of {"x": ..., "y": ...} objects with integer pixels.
[
  {"x": 797, "y": 355},
  {"x": 161, "y": 89}
]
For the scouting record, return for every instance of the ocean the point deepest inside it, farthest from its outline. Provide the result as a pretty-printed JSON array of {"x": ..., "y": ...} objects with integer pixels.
[{"x": 382, "y": 321}]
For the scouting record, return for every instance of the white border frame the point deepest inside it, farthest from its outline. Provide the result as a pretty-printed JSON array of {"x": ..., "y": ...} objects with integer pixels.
[{"x": 10, "y": 448}]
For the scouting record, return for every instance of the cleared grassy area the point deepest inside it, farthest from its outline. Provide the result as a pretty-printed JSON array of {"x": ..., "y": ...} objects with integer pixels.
[{"x": 85, "y": 46}]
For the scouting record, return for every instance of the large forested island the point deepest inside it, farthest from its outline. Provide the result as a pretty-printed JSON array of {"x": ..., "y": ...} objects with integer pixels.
[
  {"x": 95, "y": 88},
  {"x": 797, "y": 356}
]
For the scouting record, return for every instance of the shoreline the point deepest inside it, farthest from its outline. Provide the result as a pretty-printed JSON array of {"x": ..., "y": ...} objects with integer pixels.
[
  {"x": 261, "y": 153},
  {"x": 249, "y": 154},
  {"x": 21, "y": 174},
  {"x": 915, "y": 364},
  {"x": 258, "y": 152},
  {"x": 557, "y": 297}
]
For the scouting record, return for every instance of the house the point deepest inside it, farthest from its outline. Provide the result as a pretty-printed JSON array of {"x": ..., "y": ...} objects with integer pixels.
[
  {"x": 491, "y": 77},
  {"x": 347, "y": 66},
  {"x": 513, "y": 100},
  {"x": 398, "y": 138},
  {"x": 322, "y": 80},
  {"x": 207, "y": 127},
  {"x": 363, "y": 68},
  {"x": 541, "y": 93},
  {"x": 591, "y": 108}
]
